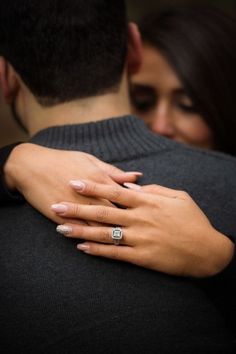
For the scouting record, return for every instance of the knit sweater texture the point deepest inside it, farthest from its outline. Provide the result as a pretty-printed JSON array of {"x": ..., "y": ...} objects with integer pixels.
[{"x": 55, "y": 299}]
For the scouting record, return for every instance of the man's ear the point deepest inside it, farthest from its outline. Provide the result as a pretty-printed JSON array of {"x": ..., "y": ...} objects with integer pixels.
[
  {"x": 135, "y": 56},
  {"x": 8, "y": 81}
]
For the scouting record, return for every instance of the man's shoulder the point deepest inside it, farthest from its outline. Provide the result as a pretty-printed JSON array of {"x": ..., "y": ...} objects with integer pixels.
[
  {"x": 160, "y": 146},
  {"x": 207, "y": 162},
  {"x": 192, "y": 155},
  {"x": 208, "y": 155}
]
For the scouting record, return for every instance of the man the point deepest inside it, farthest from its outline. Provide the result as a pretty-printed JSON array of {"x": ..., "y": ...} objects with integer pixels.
[{"x": 63, "y": 64}]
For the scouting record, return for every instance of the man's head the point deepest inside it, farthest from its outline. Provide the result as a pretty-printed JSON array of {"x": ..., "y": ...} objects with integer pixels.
[{"x": 64, "y": 49}]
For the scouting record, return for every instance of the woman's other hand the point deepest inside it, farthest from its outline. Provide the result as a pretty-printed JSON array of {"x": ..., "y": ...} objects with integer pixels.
[
  {"x": 42, "y": 175},
  {"x": 163, "y": 229}
]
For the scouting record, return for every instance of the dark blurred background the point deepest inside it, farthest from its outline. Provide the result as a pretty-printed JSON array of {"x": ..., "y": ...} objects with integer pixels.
[
  {"x": 138, "y": 8},
  {"x": 9, "y": 132}
]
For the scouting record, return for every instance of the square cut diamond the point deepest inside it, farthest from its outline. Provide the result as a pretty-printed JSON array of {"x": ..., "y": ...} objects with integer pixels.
[{"x": 117, "y": 234}]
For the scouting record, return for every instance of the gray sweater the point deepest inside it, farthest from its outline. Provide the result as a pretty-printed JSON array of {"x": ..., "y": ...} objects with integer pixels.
[{"x": 55, "y": 299}]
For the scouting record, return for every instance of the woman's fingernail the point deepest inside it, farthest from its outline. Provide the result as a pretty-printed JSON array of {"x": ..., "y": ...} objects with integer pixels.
[
  {"x": 60, "y": 208},
  {"x": 134, "y": 173},
  {"x": 64, "y": 229},
  {"x": 78, "y": 185},
  {"x": 133, "y": 186},
  {"x": 83, "y": 247}
]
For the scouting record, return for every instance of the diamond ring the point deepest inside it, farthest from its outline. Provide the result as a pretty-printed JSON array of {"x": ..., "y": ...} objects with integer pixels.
[{"x": 117, "y": 235}]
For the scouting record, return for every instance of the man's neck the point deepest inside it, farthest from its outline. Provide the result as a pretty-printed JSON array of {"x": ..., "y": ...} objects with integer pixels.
[{"x": 112, "y": 104}]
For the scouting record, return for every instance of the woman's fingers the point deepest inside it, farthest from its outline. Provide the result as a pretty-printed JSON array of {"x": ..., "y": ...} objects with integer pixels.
[
  {"x": 122, "y": 177},
  {"x": 130, "y": 196},
  {"x": 99, "y": 213},
  {"x": 165, "y": 192},
  {"x": 155, "y": 189},
  {"x": 96, "y": 234},
  {"x": 115, "y": 194},
  {"x": 121, "y": 253},
  {"x": 118, "y": 175}
]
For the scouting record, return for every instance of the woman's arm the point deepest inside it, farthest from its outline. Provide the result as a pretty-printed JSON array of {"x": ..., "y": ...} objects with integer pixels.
[
  {"x": 42, "y": 175},
  {"x": 163, "y": 229},
  {"x": 195, "y": 249}
]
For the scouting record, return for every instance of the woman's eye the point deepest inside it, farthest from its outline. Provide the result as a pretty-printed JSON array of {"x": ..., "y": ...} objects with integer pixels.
[
  {"x": 142, "y": 103},
  {"x": 143, "y": 98},
  {"x": 187, "y": 108}
]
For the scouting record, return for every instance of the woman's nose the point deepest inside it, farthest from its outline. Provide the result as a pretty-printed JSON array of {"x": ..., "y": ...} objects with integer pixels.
[{"x": 161, "y": 122}]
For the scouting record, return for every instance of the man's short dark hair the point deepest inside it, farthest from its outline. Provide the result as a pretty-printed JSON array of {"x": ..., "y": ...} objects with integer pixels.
[{"x": 65, "y": 49}]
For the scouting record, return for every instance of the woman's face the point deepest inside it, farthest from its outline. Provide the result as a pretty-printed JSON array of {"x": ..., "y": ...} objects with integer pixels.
[{"x": 158, "y": 97}]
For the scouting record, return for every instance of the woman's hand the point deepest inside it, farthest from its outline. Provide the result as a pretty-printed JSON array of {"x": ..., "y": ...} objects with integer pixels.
[
  {"x": 42, "y": 175},
  {"x": 163, "y": 229}
]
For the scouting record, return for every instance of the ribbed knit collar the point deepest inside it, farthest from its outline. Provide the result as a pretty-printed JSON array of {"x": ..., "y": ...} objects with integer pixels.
[{"x": 114, "y": 139}]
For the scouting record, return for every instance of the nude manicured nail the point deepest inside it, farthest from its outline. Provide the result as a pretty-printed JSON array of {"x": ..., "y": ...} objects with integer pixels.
[
  {"x": 133, "y": 186},
  {"x": 78, "y": 185},
  {"x": 82, "y": 247},
  {"x": 64, "y": 229},
  {"x": 134, "y": 173},
  {"x": 59, "y": 208}
]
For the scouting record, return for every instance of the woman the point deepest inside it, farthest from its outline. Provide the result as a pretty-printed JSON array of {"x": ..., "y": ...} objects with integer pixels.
[
  {"x": 186, "y": 87},
  {"x": 189, "y": 99}
]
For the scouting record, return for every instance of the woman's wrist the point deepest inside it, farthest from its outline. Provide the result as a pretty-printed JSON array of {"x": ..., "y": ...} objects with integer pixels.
[
  {"x": 7, "y": 193},
  {"x": 221, "y": 253},
  {"x": 9, "y": 169}
]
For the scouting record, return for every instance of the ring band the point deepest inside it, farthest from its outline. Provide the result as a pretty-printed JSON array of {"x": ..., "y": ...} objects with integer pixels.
[{"x": 117, "y": 235}]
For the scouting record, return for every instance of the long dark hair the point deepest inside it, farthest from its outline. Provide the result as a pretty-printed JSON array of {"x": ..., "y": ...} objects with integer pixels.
[{"x": 200, "y": 45}]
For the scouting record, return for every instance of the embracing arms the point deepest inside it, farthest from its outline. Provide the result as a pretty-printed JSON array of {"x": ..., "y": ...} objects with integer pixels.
[{"x": 163, "y": 229}]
